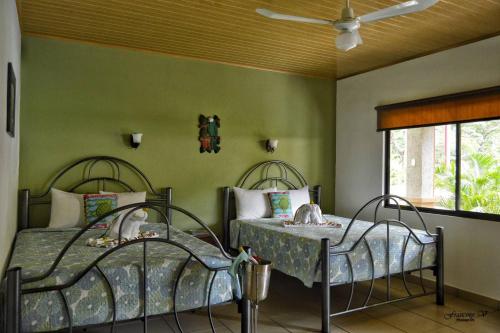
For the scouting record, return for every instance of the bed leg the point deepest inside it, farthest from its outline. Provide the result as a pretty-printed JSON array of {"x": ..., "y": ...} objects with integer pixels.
[
  {"x": 244, "y": 305},
  {"x": 13, "y": 301},
  {"x": 440, "y": 266},
  {"x": 245, "y": 316},
  {"x": 225, "y": 217},
  {"x": 325, "y": 285}
]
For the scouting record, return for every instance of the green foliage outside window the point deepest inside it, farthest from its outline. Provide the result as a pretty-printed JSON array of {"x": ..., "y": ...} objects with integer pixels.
[{"x": 480, "y": 170}]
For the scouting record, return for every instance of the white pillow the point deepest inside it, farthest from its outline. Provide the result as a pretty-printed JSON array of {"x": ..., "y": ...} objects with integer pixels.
[
  {"x": 252, "y": 204},
  {"x": 126, "y": 198},
  {"x": 67, "y": 209},
  {"x": 299, "y": 197}
]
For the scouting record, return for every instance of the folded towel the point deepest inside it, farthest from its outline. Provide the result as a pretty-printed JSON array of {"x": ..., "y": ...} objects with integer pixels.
[{"x": 132, "y": 225}]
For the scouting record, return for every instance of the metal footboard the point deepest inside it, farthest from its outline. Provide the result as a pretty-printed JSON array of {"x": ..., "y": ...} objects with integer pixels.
[
  {"x": 328, "y": 251},
  {"x": 15, "y": 282}
]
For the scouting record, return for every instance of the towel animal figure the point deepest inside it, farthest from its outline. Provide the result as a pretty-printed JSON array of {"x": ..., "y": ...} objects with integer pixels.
[
  {"x": 132, "y": 226},
  {"x": 308, "y": 214}
]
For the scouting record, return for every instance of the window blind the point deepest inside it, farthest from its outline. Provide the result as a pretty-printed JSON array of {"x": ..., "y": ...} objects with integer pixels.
[{"x": 462, "y": 107}]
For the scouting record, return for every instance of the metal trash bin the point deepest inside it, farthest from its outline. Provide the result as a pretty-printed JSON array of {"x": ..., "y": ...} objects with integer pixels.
[{"x": 256, "y": 280}]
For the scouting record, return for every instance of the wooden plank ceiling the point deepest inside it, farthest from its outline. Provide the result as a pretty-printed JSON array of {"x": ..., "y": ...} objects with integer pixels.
[{"x": 229, "y": 31}]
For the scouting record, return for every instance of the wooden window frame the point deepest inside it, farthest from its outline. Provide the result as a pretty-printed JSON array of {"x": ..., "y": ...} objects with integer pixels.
[{"x": 423, "y": 108}]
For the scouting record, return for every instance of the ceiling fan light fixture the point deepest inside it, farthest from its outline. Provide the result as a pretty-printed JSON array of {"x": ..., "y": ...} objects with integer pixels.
[
  {"x": 348, "y": 24},
  {"x": 347, "y": 40}
]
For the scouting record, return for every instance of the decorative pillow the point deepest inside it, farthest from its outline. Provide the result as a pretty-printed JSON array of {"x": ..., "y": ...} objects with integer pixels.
[
  {"x": 299, "y": 197},
  {"x": 252, "y": 204},
  {"x": 281, "y": 204},
  {"x": 67, "y": 209},
  {"x": 127, "y": 198},
  {"x": 97, "y": 205}
]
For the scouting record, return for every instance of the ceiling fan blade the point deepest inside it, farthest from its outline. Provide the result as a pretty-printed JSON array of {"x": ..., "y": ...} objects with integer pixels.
[
  {"x": 277, "y": 16},
  {"x": 407, "y": 7}
]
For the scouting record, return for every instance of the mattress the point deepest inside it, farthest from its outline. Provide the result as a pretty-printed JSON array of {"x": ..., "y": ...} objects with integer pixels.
[
  {"x": 296, "y": 251},
  {"x": 90, "y": 300}
]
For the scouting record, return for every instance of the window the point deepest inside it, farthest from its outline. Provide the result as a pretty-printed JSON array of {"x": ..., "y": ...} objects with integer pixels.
[
  {"x": 416, "y": 157},
  {"x": 480, "y": 167},
  {"x": 426, "y": 166},
  {"x": 442, "y": 153}
]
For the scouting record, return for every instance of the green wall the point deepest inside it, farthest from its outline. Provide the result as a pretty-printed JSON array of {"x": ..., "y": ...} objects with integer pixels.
[{"x": 80, "y": 100}]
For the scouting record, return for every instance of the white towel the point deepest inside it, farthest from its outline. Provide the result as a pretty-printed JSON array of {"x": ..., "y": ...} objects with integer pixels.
[{"x": 131, "y": 227}]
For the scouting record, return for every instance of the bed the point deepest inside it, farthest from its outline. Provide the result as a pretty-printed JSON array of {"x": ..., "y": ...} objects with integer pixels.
[
  {"x": 356, "y": 252},
  {"x": 55, "y": 281}
]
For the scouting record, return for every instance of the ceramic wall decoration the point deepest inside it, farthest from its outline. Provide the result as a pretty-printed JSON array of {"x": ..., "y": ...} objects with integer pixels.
[{"x": 209, "y": 134}]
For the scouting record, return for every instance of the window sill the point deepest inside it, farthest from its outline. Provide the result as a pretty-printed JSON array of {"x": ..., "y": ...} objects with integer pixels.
[{"x": 459, "y": 213}]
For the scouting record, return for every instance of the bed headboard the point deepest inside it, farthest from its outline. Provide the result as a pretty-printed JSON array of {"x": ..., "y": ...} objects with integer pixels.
[
  {"x": 103, "y": 172},
  {"x": 264, "y": 174}
]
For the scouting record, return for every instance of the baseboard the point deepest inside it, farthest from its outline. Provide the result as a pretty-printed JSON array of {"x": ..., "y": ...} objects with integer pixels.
[{"x": 470, "y": 296}]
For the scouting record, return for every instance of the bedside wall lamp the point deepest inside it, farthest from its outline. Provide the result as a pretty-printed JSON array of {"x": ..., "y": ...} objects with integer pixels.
[
  {"x": 135, "y": 140},
  {"x": 271, "y": 145}
]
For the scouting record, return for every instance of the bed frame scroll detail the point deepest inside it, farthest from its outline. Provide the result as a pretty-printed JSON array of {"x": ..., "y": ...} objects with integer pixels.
[{"x": 87, "y": 167}]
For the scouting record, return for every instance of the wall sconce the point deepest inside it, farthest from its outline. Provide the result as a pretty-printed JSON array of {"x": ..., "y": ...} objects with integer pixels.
[
  {"x": 135, "y": 140},
  {"x": 271, "y": 145}
]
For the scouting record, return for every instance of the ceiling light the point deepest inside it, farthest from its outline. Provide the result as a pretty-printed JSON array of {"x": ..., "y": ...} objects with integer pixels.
[{"x": 347, "y": 40}]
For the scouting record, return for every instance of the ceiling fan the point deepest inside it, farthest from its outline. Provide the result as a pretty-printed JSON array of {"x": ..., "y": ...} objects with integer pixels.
[{"x": 348, "y": 25}]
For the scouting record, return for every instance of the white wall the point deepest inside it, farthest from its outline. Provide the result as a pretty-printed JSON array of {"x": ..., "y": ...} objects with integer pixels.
[
  {"x": 10, "y": 51},
  {"x": 471, "y": 246}
]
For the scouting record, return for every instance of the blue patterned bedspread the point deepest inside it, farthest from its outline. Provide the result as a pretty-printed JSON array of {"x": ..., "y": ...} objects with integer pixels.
[
  {"x": 90, "y": 300},
  {"x": 296, "y": 251}
]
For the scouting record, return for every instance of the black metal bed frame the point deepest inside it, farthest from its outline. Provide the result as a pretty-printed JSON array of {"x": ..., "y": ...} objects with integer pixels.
[
  {"x": 161, "y": 203},
  {"x": 328, "y": 250},
  {"x": 162, "y": 198}
]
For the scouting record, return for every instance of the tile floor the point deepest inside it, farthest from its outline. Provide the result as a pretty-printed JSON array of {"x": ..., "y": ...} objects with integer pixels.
[{"x": 291, "y": 307}]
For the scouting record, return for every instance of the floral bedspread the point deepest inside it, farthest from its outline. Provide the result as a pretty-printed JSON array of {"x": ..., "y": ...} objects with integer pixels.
[
  {"x": 90, "y": 299},
  {"x": 296, "y": 251}
]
